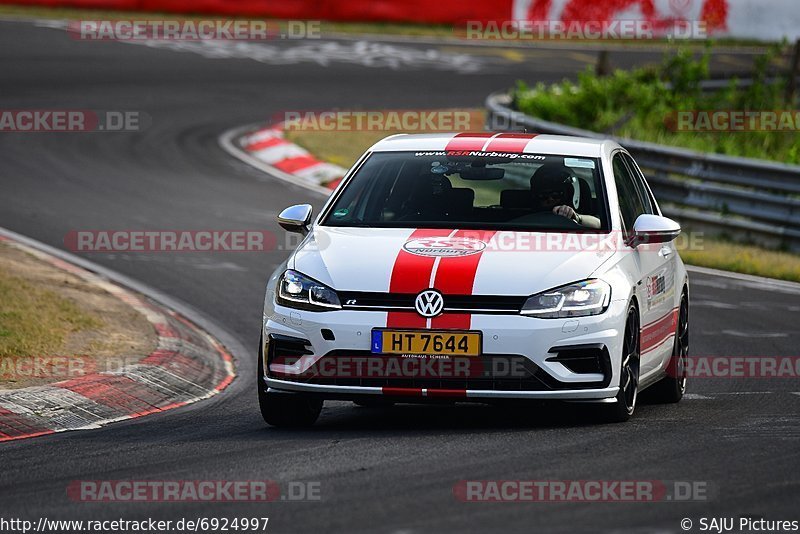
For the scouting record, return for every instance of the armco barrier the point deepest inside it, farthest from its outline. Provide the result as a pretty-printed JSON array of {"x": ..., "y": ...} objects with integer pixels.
[
  {"x": 744, "y": 198},
  {"x": 752, "y": 19}
]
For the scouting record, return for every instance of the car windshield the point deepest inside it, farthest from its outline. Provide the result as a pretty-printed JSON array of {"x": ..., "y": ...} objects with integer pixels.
[{"x": 476, "y": 191}]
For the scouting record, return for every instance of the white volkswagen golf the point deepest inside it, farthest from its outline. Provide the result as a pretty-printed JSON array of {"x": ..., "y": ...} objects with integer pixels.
[{"x": 478, "y": 267}]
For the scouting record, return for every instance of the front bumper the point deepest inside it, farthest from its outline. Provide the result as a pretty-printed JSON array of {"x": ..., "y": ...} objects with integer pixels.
[
  {"x": 539, "y": 343},
  {"x": 434, "y": 393}
]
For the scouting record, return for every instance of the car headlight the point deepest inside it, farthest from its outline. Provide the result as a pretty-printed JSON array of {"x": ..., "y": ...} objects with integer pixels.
[
  {"x": 297, "y": 290},
  {"x": 590, "y": 297}
]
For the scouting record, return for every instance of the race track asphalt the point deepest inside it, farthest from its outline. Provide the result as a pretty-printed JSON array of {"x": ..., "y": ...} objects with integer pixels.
[{"x": 379, "y": 471}]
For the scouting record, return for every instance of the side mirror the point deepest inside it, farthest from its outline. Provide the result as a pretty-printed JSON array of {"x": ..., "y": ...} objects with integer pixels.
[
  {"x": 296, "y": 218},
  {"x": 654, "y": 229}
]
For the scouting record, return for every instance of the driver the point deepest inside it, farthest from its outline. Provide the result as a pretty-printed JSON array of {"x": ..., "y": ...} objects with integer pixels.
[{"x": 553, "y": 189}]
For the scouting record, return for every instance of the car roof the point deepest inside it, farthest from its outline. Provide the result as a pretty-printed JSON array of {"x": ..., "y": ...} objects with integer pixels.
[{"x": 524, "y": 143}]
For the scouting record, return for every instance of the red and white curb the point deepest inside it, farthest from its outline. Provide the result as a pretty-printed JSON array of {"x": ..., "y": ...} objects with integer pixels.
[
  {"x": 267, "y": 149},
  {"x": 188, "y": 365}
]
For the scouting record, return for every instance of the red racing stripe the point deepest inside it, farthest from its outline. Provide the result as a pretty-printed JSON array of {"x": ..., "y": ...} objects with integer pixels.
[
  {"x": 412, "y": 274},
  {"x": 509, "y": 142},
  {"x": 456, "y": 276},
  {"x": 468, "y": 141},
  {"x": 655, "y": 333}
]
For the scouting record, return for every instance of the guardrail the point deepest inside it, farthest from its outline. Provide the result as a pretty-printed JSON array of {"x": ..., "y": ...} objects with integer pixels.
[{"x": 743, "y": 198}]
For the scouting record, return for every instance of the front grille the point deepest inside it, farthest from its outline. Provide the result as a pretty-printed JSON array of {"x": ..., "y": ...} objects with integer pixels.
[{"x": 488, "y": 304}]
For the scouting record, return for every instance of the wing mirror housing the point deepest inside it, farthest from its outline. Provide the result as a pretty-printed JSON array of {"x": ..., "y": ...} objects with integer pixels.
[
  {"x": 654, "y": 229},
  {"x": 296, "y": 218}
]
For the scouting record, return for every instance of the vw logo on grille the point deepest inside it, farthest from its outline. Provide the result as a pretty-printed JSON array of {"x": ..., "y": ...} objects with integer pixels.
[{"x": 429, "y": 303}]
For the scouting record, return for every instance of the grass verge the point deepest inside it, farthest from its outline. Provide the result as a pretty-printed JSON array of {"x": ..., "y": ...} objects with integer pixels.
[
  {"x": 340, "y": 148},
  {"x": 55, "y": 325},
  {"x": 36, "y": 321},
  {"x": 745, "y": 259},
  {"x": 345, "y": 147}
]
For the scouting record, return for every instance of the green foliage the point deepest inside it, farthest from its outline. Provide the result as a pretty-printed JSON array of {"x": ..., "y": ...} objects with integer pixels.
[{"x": 643, "y": 104}]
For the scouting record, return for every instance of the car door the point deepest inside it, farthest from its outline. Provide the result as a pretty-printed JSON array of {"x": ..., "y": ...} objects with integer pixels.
[
  {"x": 659, "y": 284},
  {"x": 651, "y": 267}
]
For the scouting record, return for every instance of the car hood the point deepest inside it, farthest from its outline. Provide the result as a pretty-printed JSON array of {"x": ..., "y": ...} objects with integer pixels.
[{"x": 465, "y": 262}]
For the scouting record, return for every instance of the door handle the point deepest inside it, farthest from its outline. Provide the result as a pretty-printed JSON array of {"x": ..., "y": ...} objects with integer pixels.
[{"x": 665, "y": 252}]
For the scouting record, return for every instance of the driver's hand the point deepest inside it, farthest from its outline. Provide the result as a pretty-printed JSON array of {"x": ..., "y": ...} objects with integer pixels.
[{"x": 566, "y": 211}]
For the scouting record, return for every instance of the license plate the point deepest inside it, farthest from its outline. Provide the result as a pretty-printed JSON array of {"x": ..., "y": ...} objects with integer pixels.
[{"x": 427, "y": 342}]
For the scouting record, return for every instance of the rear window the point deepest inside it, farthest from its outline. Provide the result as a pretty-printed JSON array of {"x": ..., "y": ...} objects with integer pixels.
[{"x": 436, "y": 190}]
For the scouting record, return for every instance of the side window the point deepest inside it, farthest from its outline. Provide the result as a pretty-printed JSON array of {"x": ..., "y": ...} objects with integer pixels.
[
  {"x": 638, "y": 179},
  {"x": 630, "y": 203}
]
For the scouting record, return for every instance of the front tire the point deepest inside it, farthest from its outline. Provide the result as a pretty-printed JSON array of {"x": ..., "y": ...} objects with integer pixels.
[
  {"x": 671, "y": 388},
  {"x": 284, "y": 409},
  {"x": 628, "y": 393}
]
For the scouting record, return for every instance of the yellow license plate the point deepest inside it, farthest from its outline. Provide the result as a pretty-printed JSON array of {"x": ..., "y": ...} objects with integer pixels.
[{"x": 428, "y": 342}]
